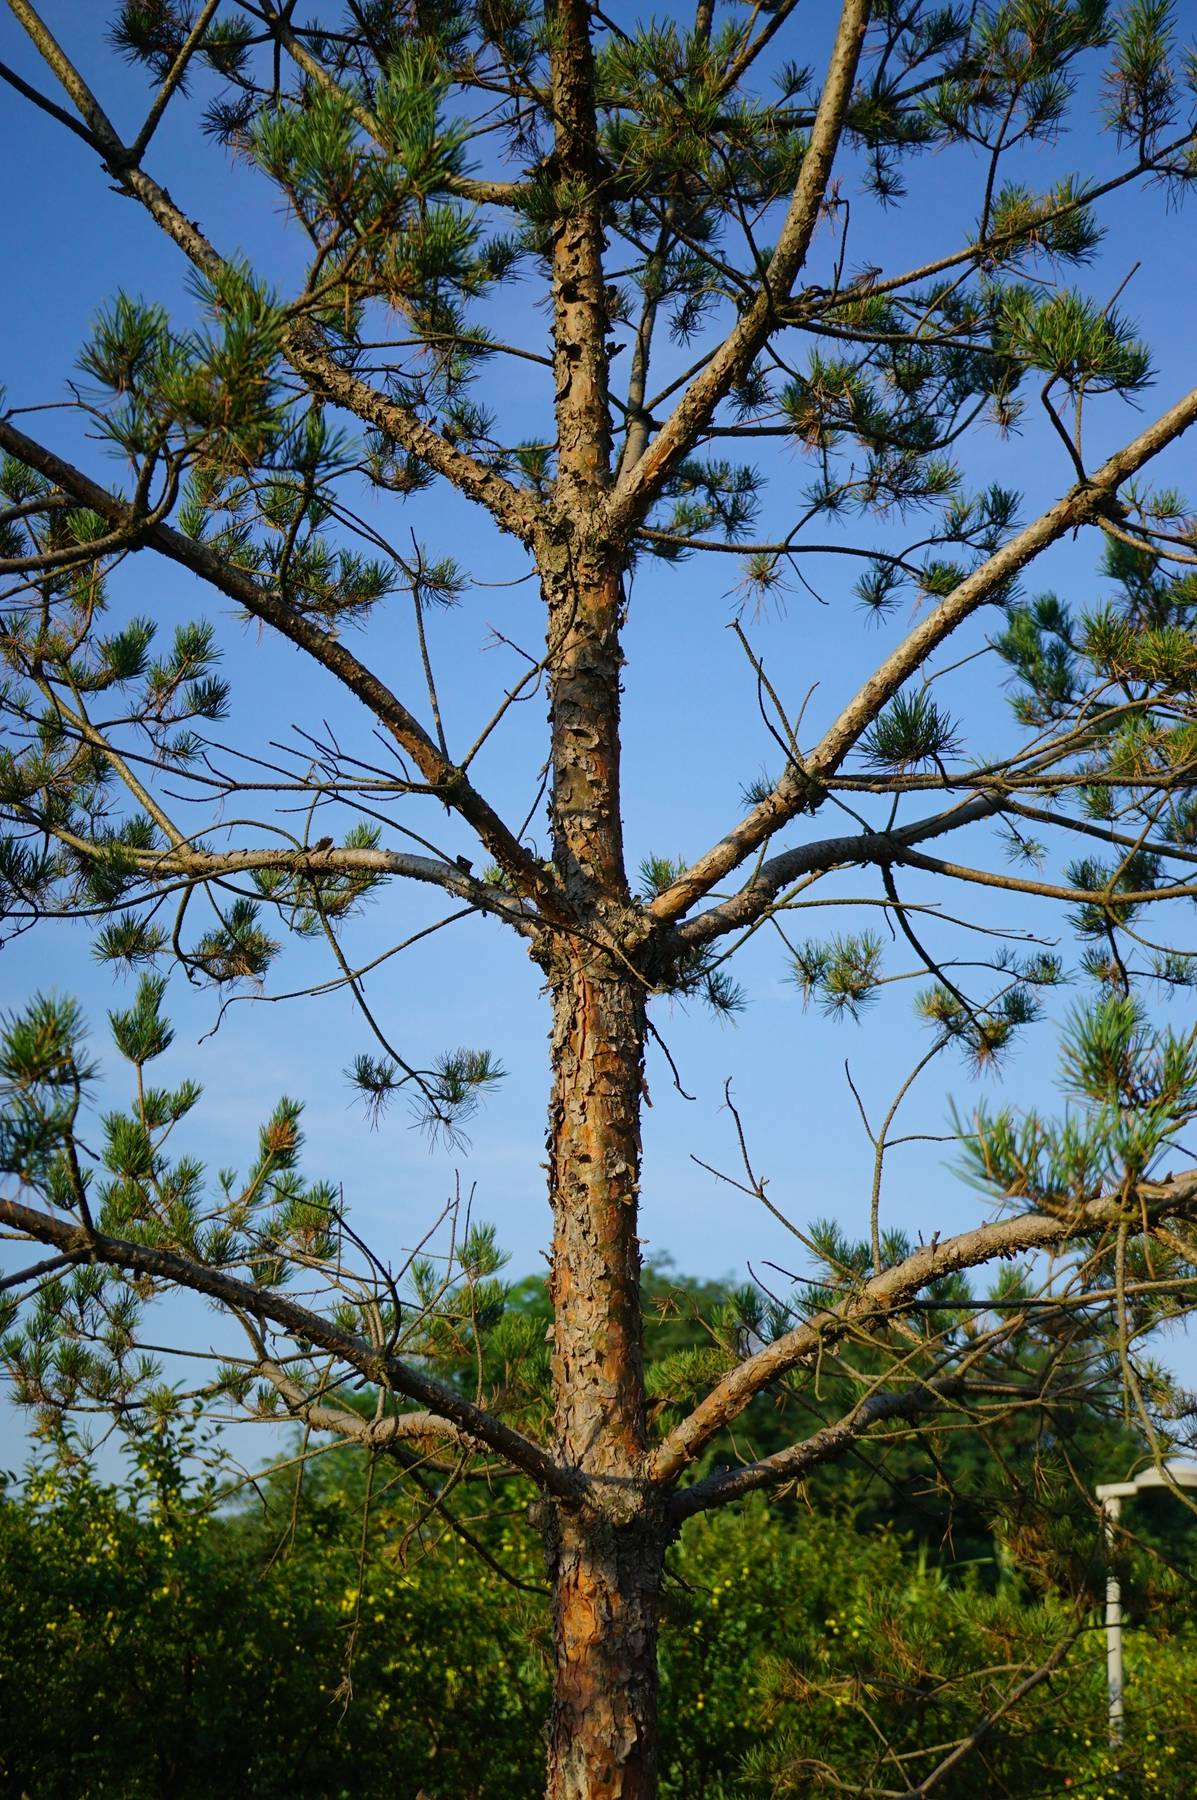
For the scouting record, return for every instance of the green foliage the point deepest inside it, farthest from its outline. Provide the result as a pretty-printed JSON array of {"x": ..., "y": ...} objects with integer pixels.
[
  {"x": 443, "y": 1098},
  {"x": 796, "y": 1641},
  {"x": 698, "y": 973},
  {"x": 1144, "y": 93},
  {"x": 1053, "y": 223},
  {"x": 713, "y": 496},
  {"x": 659, "y": 872},
  {"x": 237, "y": 949},
  {"x": 1080, "y": 345},
  {"x": 141, "y": 1033},
  {"x": 77, "y": 1344},
  {"x": 912, "y": 731},
  {"x": 43, "y": 1076},
  {"x": 843, "y": 974},
  {"x": 1137, "y": 1088},
  {"x": 149, "y": 1619},
  {"x": 984, "y": 1033},
  {"x": 129, "y": 940},
  {"x": 212, "y": 391}
]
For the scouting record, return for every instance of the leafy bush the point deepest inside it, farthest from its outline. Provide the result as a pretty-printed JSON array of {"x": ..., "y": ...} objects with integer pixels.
[{"x": 338, "y": 1638}]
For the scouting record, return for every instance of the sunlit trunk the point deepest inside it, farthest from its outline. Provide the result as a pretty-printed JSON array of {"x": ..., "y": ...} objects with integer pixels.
[
  {"x": 606, "y": 1553},
  {"x": 603, "y": 1728}
]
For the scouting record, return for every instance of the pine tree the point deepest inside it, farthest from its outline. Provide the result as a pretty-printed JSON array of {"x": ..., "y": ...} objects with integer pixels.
[{"x": 690, "y": 193}]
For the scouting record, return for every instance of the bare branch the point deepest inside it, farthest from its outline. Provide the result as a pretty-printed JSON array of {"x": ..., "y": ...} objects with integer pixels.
[
  {"x": 799, "y": 788},
  {"x": 528, "y": 876},
  {"x": 272, "y": 1308},
  {"x": 833, "y": 1441},
  {"x": 643, "y": 482},
  {"x": 181, "y": 863},
  {"x": 864, "y": 847},
  {"x": 378, "y": 1434},
  {"x": 174, "y": 75},
  {"x": 884, "y": 1296}
]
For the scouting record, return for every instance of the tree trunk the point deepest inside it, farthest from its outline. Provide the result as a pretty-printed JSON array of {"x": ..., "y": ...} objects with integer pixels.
[
  {"x": 606, "y": 1552},
  {"x": 603, "y": 1726}
]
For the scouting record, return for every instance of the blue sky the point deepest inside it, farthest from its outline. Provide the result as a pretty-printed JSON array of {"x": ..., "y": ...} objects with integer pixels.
[{"x": 693, "y": 737}]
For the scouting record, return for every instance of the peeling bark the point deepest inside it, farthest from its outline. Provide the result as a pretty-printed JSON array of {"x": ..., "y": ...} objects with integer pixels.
[
  {"x": 606, "y": 1552},
  {"x": 603, "y": 1729},
  {"x": 594, "y": 1173}
]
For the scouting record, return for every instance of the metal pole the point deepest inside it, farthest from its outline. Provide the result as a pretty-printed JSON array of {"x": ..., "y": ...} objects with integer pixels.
[
  {"x": 1111, "y": 1508},
  {"x": 1174, "y": 1474}
]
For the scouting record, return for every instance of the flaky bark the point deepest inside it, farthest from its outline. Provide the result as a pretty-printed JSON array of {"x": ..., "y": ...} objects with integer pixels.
[
  {"x": 603, "y": 1730},
  {"x": 594, "y": 1170},
  {"x": 605, "y": 1553}
]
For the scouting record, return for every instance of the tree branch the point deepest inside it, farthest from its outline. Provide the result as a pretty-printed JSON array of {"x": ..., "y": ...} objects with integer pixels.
[
  {"x": 516, "y": 511},
  {"x": 313, "y": 863},
  {"x": 272, "y": 1308},
  {"x": 641, "y": 485},
  {"x": 46, "y": 105},
  {"x": 383, "y": 1434},
  {"x": 852, "y": 850},
  {"x": 1047, "y": 890},
  {"x": 833, "y": 1441},
  {"x": 174, "y": 77},
  {"x": 528, "y": 876},
  {"x": 798, "y": 786},
  {"x": 886, "y": 1294}
]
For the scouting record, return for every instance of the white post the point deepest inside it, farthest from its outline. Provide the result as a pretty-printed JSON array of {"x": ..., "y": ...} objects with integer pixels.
[
  {"x": 1110, "y": 1494},
  {"x": 1111, "y": 1508}
]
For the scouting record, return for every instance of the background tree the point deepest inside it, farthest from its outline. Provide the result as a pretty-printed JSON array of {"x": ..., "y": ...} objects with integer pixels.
[{"x": 684, "y": 192}]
